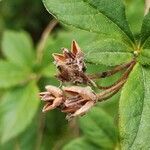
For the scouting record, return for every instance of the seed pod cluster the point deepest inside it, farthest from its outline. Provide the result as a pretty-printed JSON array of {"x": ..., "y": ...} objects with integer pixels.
[
  {"x": 73, "y": 100},
  {"x": 76, "y": 100}
]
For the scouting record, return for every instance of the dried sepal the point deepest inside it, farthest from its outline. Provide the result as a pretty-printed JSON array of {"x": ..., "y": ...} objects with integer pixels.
[
  {"x": 81, "y": 111},
  {"x": 59, "y": 57},
  {"x": 70, "y": 64},
  {"x": 53, "y": 97},
  {"x": 85, "y": 92},
  {"x": 78, "y": 100},
  {"x": 75, "y": 49}
]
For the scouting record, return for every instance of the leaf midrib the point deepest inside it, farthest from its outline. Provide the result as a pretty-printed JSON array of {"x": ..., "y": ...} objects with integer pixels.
[{"x": 99, "y": 12}]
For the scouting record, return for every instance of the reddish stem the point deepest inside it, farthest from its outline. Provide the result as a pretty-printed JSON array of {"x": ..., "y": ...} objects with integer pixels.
[
  {"x": 125, "y": 75},
  {"x": 111, "y": 72},
  {"x": 116, "y": 87}
]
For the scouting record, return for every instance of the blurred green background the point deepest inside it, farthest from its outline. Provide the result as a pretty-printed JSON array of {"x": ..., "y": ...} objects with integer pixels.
[{"x": 26, "y": 66}]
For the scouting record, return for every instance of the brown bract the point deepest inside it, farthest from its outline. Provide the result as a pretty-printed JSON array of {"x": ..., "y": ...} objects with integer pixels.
[
  {"x": 71, "y": 64},
  {"x": 78, "y": 100},
  {"x": 53, "y": 97}
]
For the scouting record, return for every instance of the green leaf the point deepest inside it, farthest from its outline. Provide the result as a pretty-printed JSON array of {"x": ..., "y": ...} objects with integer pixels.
[
  {"x": 84, "y": 16},
  {"x": 147, "y": 44},
  {"x": 135, "y": 12},
  {"x": 144, "y": 57},
  {"x": 81, "y": 144},
  {"x": 115, "y": 11},
  {"x": 17, "y": 109},
  {"x": 114, "y": 51},
  {"x": 98, "y": 128},
  {"x": 134, "y": 110},
  {"x": 145, "y": 30},
  {"x": 25, "y": 141},
  {"x": 18, "y": 48},
  {"x": 49, "y": 71},
  {"x": 11, "y": 75}
]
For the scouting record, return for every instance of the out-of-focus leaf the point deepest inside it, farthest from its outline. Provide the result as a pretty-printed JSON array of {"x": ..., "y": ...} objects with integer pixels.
[
  {"x": 135, "y": 13},
  {"x": 98, "y": 127},
  {"x": 108, "y": 52},
  {"x": 18, "y": 48},
  {"x": 11, "y": 75},
  {"x": 81, "y": 144},
  {"x": 144, "y": 57},
  {"x": 26, "y": 140},
  {"x": 82, "y": 15},
  {"x": 134, "y": 110},
  {"x": 17, "y": 109},
  {"x": 145, "y": 30},
  {"x": 54, "y": 133},
  {"x": 49, "y": 71}
]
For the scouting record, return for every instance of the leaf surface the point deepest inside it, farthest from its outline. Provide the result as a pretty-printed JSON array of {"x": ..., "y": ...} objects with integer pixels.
[
  {"x": 80, "y": 144},
  {"x": 115, "y": 11},
  {"x": 18, "y": 48},
  {"x": 108, "y": 52},
  {"x": 135, "y": 12},
  {"x": 83, "y": 15},
  {"x": 17, "y": 109},
  {"x": 144, "y": 57},
  {"x": 98, "y": 128},
  {"x": 145, "y": 30},
  {"x": 11, "y": 75},
  {"x": 134, "y": 110}
]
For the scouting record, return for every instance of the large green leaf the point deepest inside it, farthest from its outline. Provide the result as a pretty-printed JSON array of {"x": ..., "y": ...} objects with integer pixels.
[
  {"x": 134, "y": 110},
  {"x": 135, "y": 12},
  {"x": 108, "y": 52},
  {"x": 25, "y": 141},
  {"x": 17, "y": 109},
  {"x": 98, "y": 127},
  {"x": 144, "y": 57},
  {"x": 147, "y": 44},
  {"x": 81, "y": 14},
  {"x": 145, "y": 30},
  {"x": 11, "y": 75},
  {"x": 81, "y": 144},
  {"x": 18, "y": 48},
  {"x": 115, "y": 11}
]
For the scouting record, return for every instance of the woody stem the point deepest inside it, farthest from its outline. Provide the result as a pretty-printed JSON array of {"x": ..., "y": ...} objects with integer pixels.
[
  {"x": 116, "y": 87},
  {"x": 111, "y": 72},
  {"x": 124, "y": 76},
  {"x": 106, "y": 93}
]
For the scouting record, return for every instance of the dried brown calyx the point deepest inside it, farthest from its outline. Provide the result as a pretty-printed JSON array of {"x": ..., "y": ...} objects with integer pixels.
[
  {"x": 77, "y": 100},
  {"x": 53, "y": 97},
  {"x": 74, "y": 100},
  {"x": 71, "y": 65}
]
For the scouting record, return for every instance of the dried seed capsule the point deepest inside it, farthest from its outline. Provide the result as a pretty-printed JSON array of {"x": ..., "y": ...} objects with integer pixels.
[
  {"x": 78, "y": 100},
  {"x": 71, "y": 65},
  {"x": 53, "y": 97}
]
